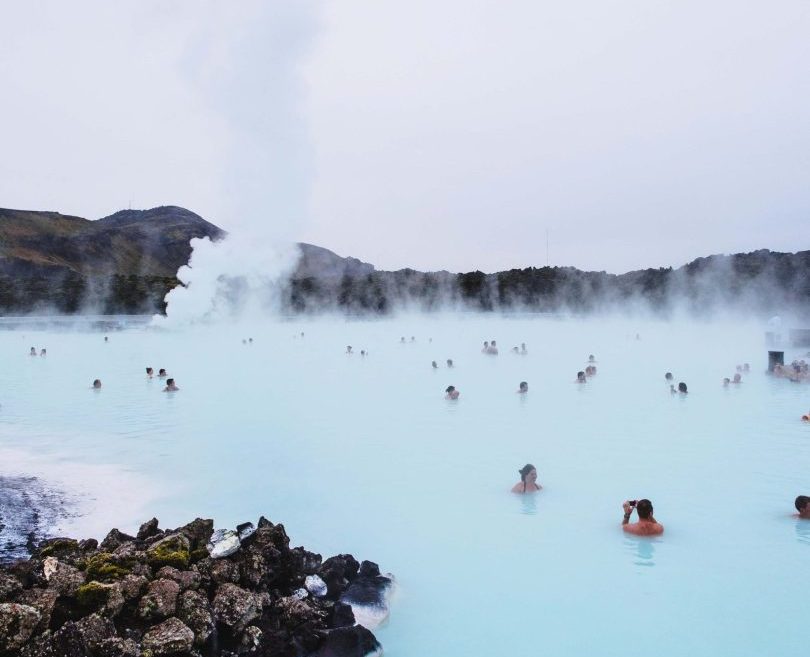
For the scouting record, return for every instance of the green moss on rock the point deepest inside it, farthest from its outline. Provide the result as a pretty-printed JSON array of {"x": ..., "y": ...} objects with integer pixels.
[
  {"x": 92, "y": 595},
  {"x": 104, "y": 568},
  {"x": 170, "y": 551}
]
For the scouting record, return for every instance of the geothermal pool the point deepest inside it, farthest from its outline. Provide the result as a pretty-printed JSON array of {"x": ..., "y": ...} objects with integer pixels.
[{"x": 364, "y": 455}]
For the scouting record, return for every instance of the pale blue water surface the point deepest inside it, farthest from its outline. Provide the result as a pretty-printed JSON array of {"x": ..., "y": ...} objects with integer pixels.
[{"x": 364, "y": 455}]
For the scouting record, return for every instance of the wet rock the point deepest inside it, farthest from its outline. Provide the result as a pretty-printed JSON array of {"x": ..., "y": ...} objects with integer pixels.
[
  {"x": 187, "y": 579},
  {"x": 148, "y": 529},
  {"x": 337, "y": 572},
  {"x": 17, "y": 624},
  {"x": 368, "y": 595},
  {"x": 354, "y": 641},
  {"x": 342, "y": 615},
  {"x": 88, "y": 545},
  {"x": 316, "y": 586},
  {"x": 106, "y": 599},
  {"x": 234, "y": 607},
  {"x": 94, "y": 630},
  {"x": 114, "y": 539},
  {"x": 160, "y": 600},
  {"x": 43, "y": 600},
  {"x": 304, "y": 561},
  {"x": 295, "y": 611},
  {"x": 223, "y": 543},
  {"x": 193, "y": 609},
  {"x": 172, "y": 550},
  {"x": 169, "y": 638}
]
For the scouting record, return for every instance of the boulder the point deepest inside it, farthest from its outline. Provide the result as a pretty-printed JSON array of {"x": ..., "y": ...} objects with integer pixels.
[
  {"x": 117, "y": 647},
  {"x": 304, "y": 561},
  {"x": 9, "y": 586},
  {"x": 114, "y": 539},
  {"x": 187, "y": 579},
  {"x": 94, "y": 630},
  {"x": 172, "y": 550},
  {"x": 160, "y": 600},
  {"x": 354, "y": 641},
  {"x": 67, "y": 641},
  {"x": 234, "y": 607},
  {"x": 198, "y": 532},
  {"x": 368, "y": 595},
  {"x": 193, "y": 609},
  {"x": 251, "y": 638},
  {"x": 106, "y": 599},
  {"x": 62, "y": 578},
  {"x": 169, "y": 638},
  {"x": 43, "y": 600},
  {"x": 217, "y": 571},
  {"x": 148, "y": 529},
  {"x": 17, "y": 624},
  {"x": 132, "y": 586},
  {"x": 223, "y": 543},
  {"x": 337, "y": 572}
]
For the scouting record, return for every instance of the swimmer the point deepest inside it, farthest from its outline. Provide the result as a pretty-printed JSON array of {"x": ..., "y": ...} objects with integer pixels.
[
  {"x": 647, "y": 525},
  {"x": 523, "y": 349},
  {"x": 452, "y": 393},
  {"x": 244, "y": 341},
  {"x": 493, "y": 348},
  {"x": 402, "y": 339},
  {"x": 591, "y": 359},
  {"x": 523, "y": 388},
  {"x": 746, "y": 368},
  {"x": 528, "y": 480},
  {"x": 362, "y": 352},
  {"x": 413, "y": 339},
  {"x": 806, "y": 418},
  {"x": 434, "y": 365},
  {"x": 33, "y": 351},
  {"x": 483, "y": 351},
  {"x": 515, "y": 350},
  {"x": 43, "y": 352},
  {"x": 170, "y": 386},
  {"x": 449, "y": 362},
  {"x": 106, "y": 339},
  {"x": 581, "y": 378},
  {"x": 682, "y": 388},
  {"x": 726, "y": 382},
  {"x": 348, "y": 349},
  {"x": 668, "y": 376},
  {"x": 250, "y": 340},
  {"x": 162, "y": 373},
  {"x": 96, "y": 384},
  {"x": 802, "y": 504},
  {"x": 737, "y": 378},
  {"x": 150, "y": 372}
]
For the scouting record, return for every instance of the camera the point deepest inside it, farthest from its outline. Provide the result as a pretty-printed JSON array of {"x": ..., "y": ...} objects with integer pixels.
[{"x": 632, "y": 502}]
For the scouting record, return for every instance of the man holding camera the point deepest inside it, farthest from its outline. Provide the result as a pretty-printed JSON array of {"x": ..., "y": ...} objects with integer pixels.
[{"x": 647, "y": 525}]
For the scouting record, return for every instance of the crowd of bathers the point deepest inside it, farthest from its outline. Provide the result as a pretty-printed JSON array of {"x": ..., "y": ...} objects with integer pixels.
[{"x": 798, "y": 371}]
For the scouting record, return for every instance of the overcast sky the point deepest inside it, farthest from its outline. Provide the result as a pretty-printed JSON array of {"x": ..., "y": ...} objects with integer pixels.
[{"x": 436, "y": 135}]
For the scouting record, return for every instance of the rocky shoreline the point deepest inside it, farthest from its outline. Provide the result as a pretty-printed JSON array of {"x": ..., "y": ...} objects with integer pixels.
[{"x": 191, "y": 592}]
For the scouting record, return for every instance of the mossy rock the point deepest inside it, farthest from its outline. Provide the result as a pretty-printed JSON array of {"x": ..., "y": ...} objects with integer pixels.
[
  {"x": 92, "y": 595},
  {"x": 170, "y": 551},
  {"x": 103, "y": 567},
  {"x": 58, "y": 546},
  {"x": 197, "y": 555}
]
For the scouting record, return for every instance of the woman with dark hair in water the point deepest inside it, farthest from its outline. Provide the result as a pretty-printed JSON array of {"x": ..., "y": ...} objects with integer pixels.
[{"x": 528, "y": 480}]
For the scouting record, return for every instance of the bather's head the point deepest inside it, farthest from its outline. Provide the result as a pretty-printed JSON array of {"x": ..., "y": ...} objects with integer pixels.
[
  {"x": 581, "y": 377},
  {"x": 802, "y": 504},
  {"x": 682, "y": 387},
  {"x": 668, "y": 376},
  {"x": 524, "y": 387},
  {"x": 528, "y": 474},
  {"x": 644, "y": 508},
  {"x": 97, "y": 384}
]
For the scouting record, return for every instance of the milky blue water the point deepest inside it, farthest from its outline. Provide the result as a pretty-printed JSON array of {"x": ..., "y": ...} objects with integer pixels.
[{"x": 364, "y": 455}]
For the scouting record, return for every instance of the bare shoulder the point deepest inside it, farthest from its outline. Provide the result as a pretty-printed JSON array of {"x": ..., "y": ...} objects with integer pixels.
[{"x": 518, "y": 488}]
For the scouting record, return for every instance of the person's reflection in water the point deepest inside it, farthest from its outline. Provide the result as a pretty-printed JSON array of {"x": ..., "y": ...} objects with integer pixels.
[
  {"x": 528, "y": 505},
  {"x": 643, "y": 549},
  {"x": 803, "y": 531}
]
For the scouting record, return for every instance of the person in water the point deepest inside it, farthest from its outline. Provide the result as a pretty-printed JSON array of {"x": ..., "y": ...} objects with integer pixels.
[
  {"x": 434, "y": 365},
  {"x": 591, "y": 359},
  {"x": 682, "y": 388},
  {"x": 362, "y": 352},
  {"x": 483, "y": 351},
  {"x": 97, "y": 384},
  {"x": 647, "y": 525},
  {"x": 523, "y": 388},
  {"x": 452, "y": 393},
  {"x": 528, "y": 480},
  {"x": 581, "y": 377},
  {"x": 493, "y": 349},
  {"x": 170, "y": 386},
  {"x": 726, "y": 382},
  {"x": 737, "y": 378},
  {"x": 348, "y": 349},
  {"x": 523, "y": 349},
  {"x": 668, "y": 377},
  {"x": 43, "y": 352},
  {"x": 33, "y": 351},
  {"x": 162, "y": 373},
  {"x": 150, "y": 372},
  {"x": 515, "y": 350},
  {"x": 802, "y": 504},
  {"x": 449, "y": 362}
]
